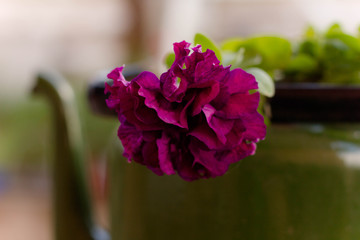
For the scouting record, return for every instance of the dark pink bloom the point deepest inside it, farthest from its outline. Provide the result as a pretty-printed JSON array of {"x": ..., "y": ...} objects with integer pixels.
[{"x": 196, "y": 120}]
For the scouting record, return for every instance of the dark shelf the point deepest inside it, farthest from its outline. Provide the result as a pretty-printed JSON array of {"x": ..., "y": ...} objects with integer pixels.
[
  {"x": 311, "y": 102},
  {"x": 295, "y": 102}
]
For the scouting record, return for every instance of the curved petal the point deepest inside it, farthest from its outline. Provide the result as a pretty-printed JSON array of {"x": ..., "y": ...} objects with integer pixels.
[
  {"x": 255, "y": 127},
  {"x": 131, "y": 139},
  {"x": 147, "y": 81},
  {"x": 164, "y": 149},
  {"x": 186, "y": 170},
  {"x": 236, "y": 135},
  {"x": 207, "y": 159},
  {"x": 205, "y": 96},
  {"x": 219, "y": 125},
  {"x": 150, "y": 156},
  {"x": 240, "y": 152},
  {"x": 239, "y": 81},
  {"x": 181, "y": 50},
  {"x": 206, "y": 135},
  {"x": 117, "y": 76},
  {"x": 238, "y": 105}
]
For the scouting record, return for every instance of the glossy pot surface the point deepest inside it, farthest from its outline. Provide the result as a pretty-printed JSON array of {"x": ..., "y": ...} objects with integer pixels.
[{"x": 303, "y": 183}]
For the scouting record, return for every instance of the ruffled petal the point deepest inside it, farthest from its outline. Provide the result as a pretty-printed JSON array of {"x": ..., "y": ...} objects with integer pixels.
[
  {"x": 131, "y": 139},
  {"x": 207, "y": 158},
  {"x": 242, "y": 151},
  {"x": 219, "y": 125},
  {"x": 255, "y": 127},
  {"x": 239, "y": 81},
  {"x": 186, "y": 170},
  {"x": 181, "y": 50},
  {"x": 239, "y": 104},
  {"x": 196, "y": 120},
  {"x": 205, "y": 96},
  {"x": 150, "y": 155},
  {"x": 164, "y": 149},
  {"x": 236, "y": 135},
  {"x": 206, "y": 135},
  {"x": 117, "y": 76},
  {"x": 148, "y": 83}
]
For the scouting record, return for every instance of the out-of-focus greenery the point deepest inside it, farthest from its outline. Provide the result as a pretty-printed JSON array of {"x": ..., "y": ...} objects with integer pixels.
[
  {"x": 269, "y": 53},
  {"x": 26, "y": 137},
  {"x": 24, "y": 128},
  {"x": 332, "y": 56}
]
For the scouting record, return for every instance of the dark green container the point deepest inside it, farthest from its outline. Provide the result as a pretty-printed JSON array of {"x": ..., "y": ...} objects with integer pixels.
[{"x": 303, "y": 183}]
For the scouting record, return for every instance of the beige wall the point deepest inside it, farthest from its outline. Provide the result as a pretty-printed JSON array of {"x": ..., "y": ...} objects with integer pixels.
[
  {"x": 285, "y": 17},
  {"x": 79, "y": 37},
  {"x": 221, "y": 19},
  {"x": 74, "y": 37}
]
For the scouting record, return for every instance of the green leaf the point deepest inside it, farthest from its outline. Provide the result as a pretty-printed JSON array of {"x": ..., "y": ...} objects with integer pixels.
[
  {"x": 302, "y": 63},
  {"x": 275, "y": 52},
  {"x": 235, "y": 59},
  {"x": 334, "y": 29},
  {"x": 310, "y": 47},
  {"x": 351, "y": 42},
  {"x": 339, "y": 55},
  {"x": 232, "y": 44},
  {"x": 264, "y": 110},
  {"x": 265, "y": 83},
  {"x": 206, "y": 43},
  {"x": 333, "y": 56},
  {"x": 310, "y": 32},
  {"x": 336, "y": 33},
  {"x": 169, "y": 59}
]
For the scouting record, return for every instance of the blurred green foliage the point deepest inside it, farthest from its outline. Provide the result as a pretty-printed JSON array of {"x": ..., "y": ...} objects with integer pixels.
[
  {"x": 332, "y": 56},
  {"x": 26, "y": 130},
  {"x": 24, "y": 127},
  {"x": 265, "y": 52}
]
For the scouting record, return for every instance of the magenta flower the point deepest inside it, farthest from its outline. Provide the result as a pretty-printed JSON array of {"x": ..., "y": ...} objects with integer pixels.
[{"x": 196, "y": 120}]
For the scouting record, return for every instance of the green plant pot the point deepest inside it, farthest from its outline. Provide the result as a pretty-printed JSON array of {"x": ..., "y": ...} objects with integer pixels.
[{"x": 301, "y": 184}]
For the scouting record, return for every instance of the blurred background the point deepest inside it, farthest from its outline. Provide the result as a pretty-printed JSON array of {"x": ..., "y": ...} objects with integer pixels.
[{"x": 80, "y": 38}]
